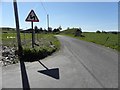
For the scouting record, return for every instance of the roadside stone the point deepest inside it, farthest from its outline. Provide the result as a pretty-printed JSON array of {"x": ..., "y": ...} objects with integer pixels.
[{"x": 9, "y": 55}]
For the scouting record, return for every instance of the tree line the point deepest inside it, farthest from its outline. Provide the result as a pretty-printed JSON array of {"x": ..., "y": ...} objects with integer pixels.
[
  {"x": 113, "y": 32},
  {"x": 43, "y": 30}
]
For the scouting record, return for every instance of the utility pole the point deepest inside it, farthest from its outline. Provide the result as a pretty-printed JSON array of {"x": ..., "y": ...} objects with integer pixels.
[
  {"x": 17, "y": 29},
  {"x": 48, "y": 21},
  {"x": 25, "y": 81}
]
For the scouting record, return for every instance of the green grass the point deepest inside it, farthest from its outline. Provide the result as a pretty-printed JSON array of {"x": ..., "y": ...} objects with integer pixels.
[
  {"x": 98, "y": 38},
  {"x": 44, "y": 38},
  {"x": 38, "y": 52},
  {"x": 43, "y": 50}
]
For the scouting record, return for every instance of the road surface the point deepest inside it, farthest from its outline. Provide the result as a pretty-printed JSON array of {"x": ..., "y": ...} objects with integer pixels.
[{"x": 81, "y": 65}]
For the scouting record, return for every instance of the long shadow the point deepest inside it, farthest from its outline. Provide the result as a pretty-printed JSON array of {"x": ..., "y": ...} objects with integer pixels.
[
  {"x": 54, "y": 73},
  {"x": 25, "y": 81}
]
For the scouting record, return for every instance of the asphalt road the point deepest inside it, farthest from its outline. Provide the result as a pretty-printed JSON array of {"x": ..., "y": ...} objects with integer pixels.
[{"x": 81, "y": 65}]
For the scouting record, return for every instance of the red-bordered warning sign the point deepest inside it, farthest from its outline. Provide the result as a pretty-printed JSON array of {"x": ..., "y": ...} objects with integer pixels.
[{"x": 32, "y": 17}]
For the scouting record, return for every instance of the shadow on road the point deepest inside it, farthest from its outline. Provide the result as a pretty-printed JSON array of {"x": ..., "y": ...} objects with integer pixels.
[
  {"x": 54, "y": 73},
  {"x": 25, "y": 81}
]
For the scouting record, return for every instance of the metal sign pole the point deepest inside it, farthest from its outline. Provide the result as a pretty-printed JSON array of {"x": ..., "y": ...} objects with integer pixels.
[{"x": 32, "y": 35}]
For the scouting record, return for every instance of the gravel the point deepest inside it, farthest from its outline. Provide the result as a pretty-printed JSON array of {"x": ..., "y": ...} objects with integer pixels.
[{"x": 8, "y": 55}]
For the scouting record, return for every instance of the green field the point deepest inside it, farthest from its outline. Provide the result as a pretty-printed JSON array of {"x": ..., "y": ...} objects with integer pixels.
[
  {"x": 26, "y": 39},
  {"x": 46, "y": 44},
  {"x": 109, "y": 40}
]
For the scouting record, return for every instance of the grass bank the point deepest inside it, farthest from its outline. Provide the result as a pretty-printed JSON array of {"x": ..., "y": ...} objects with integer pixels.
[
  {"x": 45, "y": 45},
  {"x": 108, "y": 40}
]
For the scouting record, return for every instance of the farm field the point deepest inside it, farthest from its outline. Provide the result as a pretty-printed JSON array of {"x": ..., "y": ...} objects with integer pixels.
[
  {"x": 106, "y": 39},
  {"x": 9, "y": 39},
  {"x": 45, "y": 45}
]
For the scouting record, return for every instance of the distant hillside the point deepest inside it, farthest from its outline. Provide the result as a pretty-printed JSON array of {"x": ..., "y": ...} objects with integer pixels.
[
  {"x": 68, "y": 31},
  {"x": 7, "y": 29},
  {"x": 72, "y": 31}
]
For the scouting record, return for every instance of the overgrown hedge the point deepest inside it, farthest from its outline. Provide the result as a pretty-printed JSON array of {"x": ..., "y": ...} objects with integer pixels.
[{"x": 30, "y": 55}]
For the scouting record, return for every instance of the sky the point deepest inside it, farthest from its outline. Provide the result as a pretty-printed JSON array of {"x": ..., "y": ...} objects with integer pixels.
[{"x": 90, "y": 16}]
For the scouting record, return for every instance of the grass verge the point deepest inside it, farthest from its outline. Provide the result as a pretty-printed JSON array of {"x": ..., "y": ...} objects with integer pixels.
[
  {"x": 107, "y": 40},
  {"x": 45, "y": 45}
]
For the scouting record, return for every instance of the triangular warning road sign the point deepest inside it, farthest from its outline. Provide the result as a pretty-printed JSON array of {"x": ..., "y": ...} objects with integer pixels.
[{"x": 32, "y": 17}]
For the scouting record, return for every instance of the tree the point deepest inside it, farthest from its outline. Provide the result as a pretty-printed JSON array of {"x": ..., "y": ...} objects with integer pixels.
[
  {"x": 45, "y": 31},
  {"x": 36, "y": 29},
  {"x": 68, "y": 28},
  {"x": 49, "y": 29},
  {"x": 40, "y": 30},
  {"x": 98, "y": 31},
  {"x": 56, "y": 30},
  {"x": 60, "y": 28},
  {"x": 104, "y": 32}
]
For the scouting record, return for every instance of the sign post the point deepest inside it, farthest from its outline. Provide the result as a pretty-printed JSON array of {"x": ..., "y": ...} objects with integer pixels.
[
  {"x": 32, "y": 35},
  {"x": 32, "y": 18}
]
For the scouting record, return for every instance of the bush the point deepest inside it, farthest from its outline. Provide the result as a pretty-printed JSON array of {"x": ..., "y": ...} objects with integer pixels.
[
  {"x": 30, "y": 55},
  {"x": 104, "y": 32},
  {"x": 98, "y": 31}
]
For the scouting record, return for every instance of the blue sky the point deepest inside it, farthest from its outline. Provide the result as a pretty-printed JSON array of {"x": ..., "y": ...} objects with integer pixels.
[{"x": 90, "y": 16}]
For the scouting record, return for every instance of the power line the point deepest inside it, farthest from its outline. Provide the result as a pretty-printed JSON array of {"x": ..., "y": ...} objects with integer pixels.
[
  {"x": 46, "y": 14},
  {"x": 44, "y": 8}
]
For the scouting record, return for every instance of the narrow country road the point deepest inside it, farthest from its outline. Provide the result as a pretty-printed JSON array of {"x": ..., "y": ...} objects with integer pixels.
[{"x": 81, "y": 65}]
